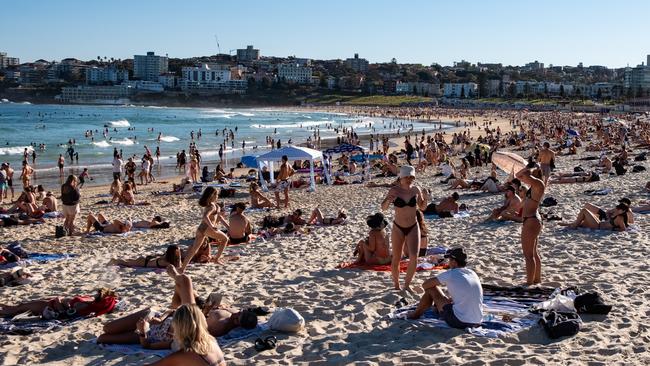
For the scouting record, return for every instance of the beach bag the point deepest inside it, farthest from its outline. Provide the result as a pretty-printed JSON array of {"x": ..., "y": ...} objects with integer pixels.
[
  {"x": 620, "y": 169},
  {"x": 59, "y": 231},
  {"x": 286, "y": 320},
  {"x": 640, "y": 157},
  {"x": 591, "y": 303},
  {"x": 578, "y": 169},
  {"x": 638, "y": 168},
  {"x": 548, "y": 202},
  {"x": 560, "y": 324}
]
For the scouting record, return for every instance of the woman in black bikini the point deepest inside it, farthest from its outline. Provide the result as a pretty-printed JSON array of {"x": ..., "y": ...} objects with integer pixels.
[
  {"x": 406, "y": 231},
  {"x": 617, "y": 222},
  {"x": 208, "y": 228},
  {"x": 172, "y": 256},
  {"x": 532, "y": 221},
  {"x": 318, "y": 218}
]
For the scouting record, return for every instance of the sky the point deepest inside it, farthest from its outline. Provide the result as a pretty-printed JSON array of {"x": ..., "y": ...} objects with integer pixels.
[{"x": 595, "y": 32}]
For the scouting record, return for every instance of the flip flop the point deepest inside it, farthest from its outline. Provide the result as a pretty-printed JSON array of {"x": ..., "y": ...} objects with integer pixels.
[{"x": 265, "y": 344}]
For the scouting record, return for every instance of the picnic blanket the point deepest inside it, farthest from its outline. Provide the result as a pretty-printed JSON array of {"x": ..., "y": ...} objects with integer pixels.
[
  {"x": 513, "y": 302},
  {"x": 232, "y": 337}
]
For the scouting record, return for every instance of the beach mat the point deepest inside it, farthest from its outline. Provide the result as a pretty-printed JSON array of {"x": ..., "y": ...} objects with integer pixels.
[{"x": 493, "y": 325}]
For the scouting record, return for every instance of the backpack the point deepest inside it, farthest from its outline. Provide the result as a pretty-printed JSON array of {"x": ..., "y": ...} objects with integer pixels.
[
  {"x": 548, "y": 202},
  {"x": 640, "y": 157},
  {"x": 591, "y": 303},
  {"x": 560, "y": 324},
  {"x": 578, "y": 169},
  {"x": 638, "y": 168},
  {"x": 60, "y": 231}
]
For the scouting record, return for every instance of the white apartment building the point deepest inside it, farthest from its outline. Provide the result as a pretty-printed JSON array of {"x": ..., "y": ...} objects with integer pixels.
[
  {"x": 144, "y": 85},
  {"x": 114, "y": 94},
  {"x": 458, "y": 90},
  {"x": 168, "y": 81},
  {"x": 150, "y": 66},
  {"x": 6, "y": 61},
  {"x": 428, "y": 89},
  {"x": 105, "y": 75},
  {"x": 295, "y": 73},
  {"x": 211, "y": 78}
]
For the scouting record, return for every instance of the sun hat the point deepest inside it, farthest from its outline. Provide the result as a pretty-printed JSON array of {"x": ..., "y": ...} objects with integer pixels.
[{"x": 406, "y": 170}]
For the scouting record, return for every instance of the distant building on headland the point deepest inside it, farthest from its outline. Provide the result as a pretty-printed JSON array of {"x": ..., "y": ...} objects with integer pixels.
[
  {"x": 211, "y": 79},
  {"x": 6, "y": 61},
  {"x": 114, "y": 94},
  {"x": 106, "y": 75},
  {"x": 357, "y": 64},
  {"x": 637, "y": 80},
  {"x": 150, "y": 66},
  {"x": 248, "y": 54},
  {"x": 293, "y": 72},
  {"x": 460, "y": 90}
]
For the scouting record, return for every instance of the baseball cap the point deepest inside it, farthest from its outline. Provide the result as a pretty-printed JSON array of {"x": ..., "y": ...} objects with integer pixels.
[{"x": 457, "y": 254}]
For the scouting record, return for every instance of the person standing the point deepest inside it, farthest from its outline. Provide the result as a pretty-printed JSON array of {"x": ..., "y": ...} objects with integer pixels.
[
  {"x": 26, "y": 174},
  {"x": 61, "y": 163},
  {"x": 157, "y": 154},
  {"x": 10, "y": 180},
  {"x": 3, "y": 182},
  {"x": 117, "y": 167},
  {"x": 283, "y": 184},
  {"x": 83, "y": 176},
  {"x": 70, "y": 197},
  {"x": 546, "y": 161},
  {"x": 532, "y": 221}
]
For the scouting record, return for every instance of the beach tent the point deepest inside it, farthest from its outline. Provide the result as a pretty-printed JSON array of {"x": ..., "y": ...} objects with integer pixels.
[{"x": 292, "y": 153}]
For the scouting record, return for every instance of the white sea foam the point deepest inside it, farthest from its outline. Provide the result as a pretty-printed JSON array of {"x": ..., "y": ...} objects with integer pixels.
[
  {"x": 125, "y": 141},
  {"x": 169, "y": 138},
  {"x": 119, "y": 123},
  {"x": 15, "y": 150},
  {"x": 101, "y": 144}
]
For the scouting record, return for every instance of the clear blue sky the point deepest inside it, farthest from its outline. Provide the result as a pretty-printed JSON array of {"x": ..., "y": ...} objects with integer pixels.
[{"x": 596, "y": 32}]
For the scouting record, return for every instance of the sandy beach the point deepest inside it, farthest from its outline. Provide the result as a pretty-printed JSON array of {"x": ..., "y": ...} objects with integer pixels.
[{"x": 346, "y": 310}]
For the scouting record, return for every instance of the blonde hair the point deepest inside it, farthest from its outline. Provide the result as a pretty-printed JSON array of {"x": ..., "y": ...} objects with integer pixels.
[{"x": 191, "y": 330}]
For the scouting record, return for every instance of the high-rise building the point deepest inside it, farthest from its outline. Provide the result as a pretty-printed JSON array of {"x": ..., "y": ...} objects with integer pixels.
[
  {"x": 248, "y": 54},
  {"x": 150, "y": 66},
  {"x": 357, "y": 64},
  {"x": 637, "y": 79},
  {"x": 6, "y": 61}
]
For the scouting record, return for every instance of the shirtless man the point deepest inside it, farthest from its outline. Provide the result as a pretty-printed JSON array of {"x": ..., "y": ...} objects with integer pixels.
[
  {"x": 239, "y": 227},
  {"x": 546, "y": 155},
  {"x": 606, "y": 164},
  {"x": 10, "y": 180},
  {"x": 511, "y": 209},
  {"x": 221, "y": 318},
  {"x": 283, "y": 184},
  {"x": 60, "y": 163}
]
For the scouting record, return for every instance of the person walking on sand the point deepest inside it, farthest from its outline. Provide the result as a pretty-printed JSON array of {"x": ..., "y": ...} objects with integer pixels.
[
  {"x": 463, "y": 308},
  {"x": 61, "y": 164},
  {"x": 283, "y": 184},
  {"x": 546, "y": 161}
]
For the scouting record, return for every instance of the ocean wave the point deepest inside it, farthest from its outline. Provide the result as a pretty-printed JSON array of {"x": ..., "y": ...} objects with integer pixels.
[
  {"x": 119, "y": 123},
  {"x": 15, "y": 150},
  {"x": 101, "y": 144},
  {"x": 124, "y": 141},
  {"x": 169, "y": 138}
]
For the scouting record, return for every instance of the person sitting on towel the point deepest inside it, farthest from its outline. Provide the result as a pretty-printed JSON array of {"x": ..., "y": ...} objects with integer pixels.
[
  {"x": 463, "y": 307},
  {"x": 375, "y": 249},
  {"x": 446, "y": 208},
  {"x": 239, "y": 226},
  {"x": 511, "y": 209}
]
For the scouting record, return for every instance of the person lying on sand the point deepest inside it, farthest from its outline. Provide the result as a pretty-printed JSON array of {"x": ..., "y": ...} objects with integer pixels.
[
  {"x": 156, "y": 222},
  {"x": 276, "y": 221},
  {"x": 511, "y": 208},
  {"x": 587, "y": 219},
  {"x": 258, "y": 200},
  {"x": 317, "y": 218},
  {"x": 14, "y": 277},
  {"x": 101, "y": 224},
  {"x": 239, "y": 226},
  {"x": 446, "y": 208},
  {"x": 577, "y": 177},
  {"x": 172, "y": 256},
  {"x": 55, "y": 308},
  {"x": 15, "y": 220},
  {"x": 606, "y": 215},
  {"x": 463, "y": 307}
]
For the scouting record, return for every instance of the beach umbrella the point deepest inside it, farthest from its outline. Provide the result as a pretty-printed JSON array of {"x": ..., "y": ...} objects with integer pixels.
[
  {"x": 344, "y": 148},
  {"x": 508, "y": 161}
]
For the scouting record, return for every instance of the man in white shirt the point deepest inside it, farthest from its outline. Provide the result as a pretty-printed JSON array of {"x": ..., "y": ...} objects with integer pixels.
[
  {"x": 463, "y": 308},
  {"x": 117, "y": 167}
]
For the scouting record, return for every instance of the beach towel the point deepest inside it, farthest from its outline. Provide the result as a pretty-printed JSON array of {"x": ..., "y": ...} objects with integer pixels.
[
  {"x": 98, "y": 234},
  {"x": 403, "y": 265},
  {"x": 599, "y": 192},
  {"x": 29, "y": 326},
  {"x": 53, "y": 215},
  {"x": 494, "y": 324}
]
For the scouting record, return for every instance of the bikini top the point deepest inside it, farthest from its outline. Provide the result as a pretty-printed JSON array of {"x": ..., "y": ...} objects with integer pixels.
[
  {"x": 399, "y": 202},
  {"x": 611, "y": 220}
]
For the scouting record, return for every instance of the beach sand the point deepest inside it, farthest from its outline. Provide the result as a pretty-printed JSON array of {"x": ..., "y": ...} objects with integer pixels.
[{"x": 345, "y": 310}]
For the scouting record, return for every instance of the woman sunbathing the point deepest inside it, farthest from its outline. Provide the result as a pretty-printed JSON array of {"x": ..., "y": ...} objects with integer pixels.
[
  {"x": 587, "y": 219},
  {"x": 579, "y": 177},
  {"x": 374, "y": 249},
  {"x": 172, "y": 257},
  {"x": 258, "y": 200},
  {"x": 156, "y": 223},
  {"x": 15, "y": 220},
  {"x": 317, "y": 218},
  {"x": 79, "y": 306},
  {"x": 102, "y": 225}
]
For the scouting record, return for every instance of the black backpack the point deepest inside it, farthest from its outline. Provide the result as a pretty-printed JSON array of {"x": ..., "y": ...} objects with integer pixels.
[
  {"x": 638, "y": 168},
  {"x": 591, "y": 303},
  {"x": 549, "y": 202},
  {"x": 60, "y": 231},
  {"x": 560, "y": 324}
]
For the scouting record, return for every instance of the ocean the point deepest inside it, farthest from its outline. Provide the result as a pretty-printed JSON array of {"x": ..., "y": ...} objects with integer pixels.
[{"x": 130, "y": 128}]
